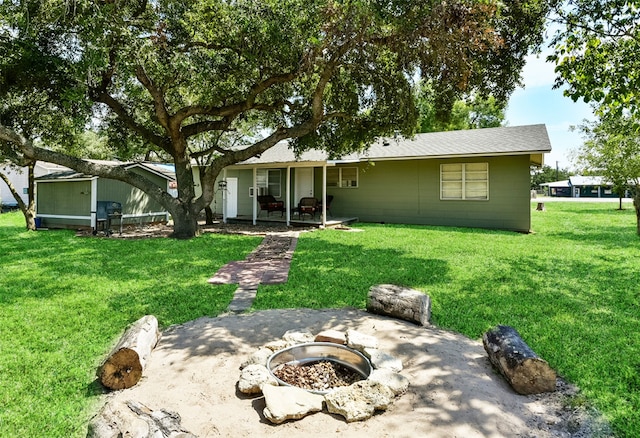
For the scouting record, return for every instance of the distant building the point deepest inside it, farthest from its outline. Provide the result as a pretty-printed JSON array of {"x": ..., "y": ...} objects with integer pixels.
[
  {"x": 19, "y": 179},
  {"x": 578, "y": 186}
]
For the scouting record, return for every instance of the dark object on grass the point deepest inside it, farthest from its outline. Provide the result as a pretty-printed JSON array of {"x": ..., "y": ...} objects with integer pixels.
[{"x": 524, "y": 370}]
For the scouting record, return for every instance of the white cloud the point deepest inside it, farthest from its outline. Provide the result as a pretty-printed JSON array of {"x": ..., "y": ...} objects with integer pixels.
[{"x": 537, "y": 72}]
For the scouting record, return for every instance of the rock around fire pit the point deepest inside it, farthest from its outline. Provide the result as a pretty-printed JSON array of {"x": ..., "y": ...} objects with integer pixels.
[{"x": 365, "y": 379}]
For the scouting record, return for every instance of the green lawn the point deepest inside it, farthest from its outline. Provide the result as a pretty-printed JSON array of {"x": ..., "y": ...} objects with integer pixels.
[{"x": 572, "y": 290}]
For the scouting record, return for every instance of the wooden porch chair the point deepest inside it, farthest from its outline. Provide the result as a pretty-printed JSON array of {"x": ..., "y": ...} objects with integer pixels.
[
  {"x": 269, "y": 203},
  {"x": 308, "y": 205}
]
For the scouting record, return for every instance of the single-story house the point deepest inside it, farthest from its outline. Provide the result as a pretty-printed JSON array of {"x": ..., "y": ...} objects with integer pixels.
[
  {"x": 558, "y": 188},
  {"x": 578, "y": 186},
  {"x": 591, "y": 187},
  {"x": 471, "y": 178},
  {"x": 19, "y": 178},
  {"x": 70, "y": 199}
]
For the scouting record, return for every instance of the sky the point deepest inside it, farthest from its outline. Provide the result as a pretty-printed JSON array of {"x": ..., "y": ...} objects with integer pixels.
[{"x": 537, "y": 102}]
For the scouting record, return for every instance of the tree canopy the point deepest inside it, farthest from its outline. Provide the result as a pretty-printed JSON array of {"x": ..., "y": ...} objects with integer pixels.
[
  {"x": 596, "y": 53},
  {"x": 183, "y": 79},
  {"x": 469, "y": 112}
]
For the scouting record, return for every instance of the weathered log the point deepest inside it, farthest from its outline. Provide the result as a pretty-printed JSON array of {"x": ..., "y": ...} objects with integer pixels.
[
  {"x": 135, "y": 420},
  {"x": 124, "y": 366},
  {"x": 524, "y": 370},
  {"x": 399, "y": 302}
]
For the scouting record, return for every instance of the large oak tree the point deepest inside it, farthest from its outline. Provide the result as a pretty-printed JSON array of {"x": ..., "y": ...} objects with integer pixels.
[{"x": 184, "y": 78}]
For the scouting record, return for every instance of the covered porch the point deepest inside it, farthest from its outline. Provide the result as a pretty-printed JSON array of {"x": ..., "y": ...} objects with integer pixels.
[
  {"x": 285, "y": 181},
  {"x": 331, "y": 222}
]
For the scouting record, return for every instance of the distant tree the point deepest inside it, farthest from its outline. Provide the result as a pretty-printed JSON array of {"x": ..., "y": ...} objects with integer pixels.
[
  {"x": 469, "y": 113},
  {"x": 612, "y": 149},
  {"x": 596, "y": 53},
  {"x": 547, "y": 174}
]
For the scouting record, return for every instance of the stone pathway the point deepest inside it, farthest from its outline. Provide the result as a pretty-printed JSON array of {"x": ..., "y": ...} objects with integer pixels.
[{"x": 268, "y": 264}]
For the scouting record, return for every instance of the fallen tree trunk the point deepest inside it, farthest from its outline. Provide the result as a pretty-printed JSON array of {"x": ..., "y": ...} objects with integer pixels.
[
  {"x": 399, "y": 302},
  {"x": 124, "y": 366},
  {"x": 133, "y": 419},
  {"x": 524, "y": 370}
]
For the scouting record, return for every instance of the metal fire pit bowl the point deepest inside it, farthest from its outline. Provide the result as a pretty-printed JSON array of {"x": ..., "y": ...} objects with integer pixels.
[{"x": 318, "y": 351}]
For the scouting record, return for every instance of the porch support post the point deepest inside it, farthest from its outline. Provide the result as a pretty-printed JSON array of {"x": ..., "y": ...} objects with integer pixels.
[
  {"x": 324, "y": 195},
  {"x": 224, "y": 197},
  {"x": 255, "y": 195},
  {"x": 94, "y": 203},
  {"x": 288, "y": 195}
]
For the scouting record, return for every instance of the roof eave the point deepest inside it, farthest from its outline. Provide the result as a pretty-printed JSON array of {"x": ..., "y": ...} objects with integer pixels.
[{"x": 536, "y": 156}]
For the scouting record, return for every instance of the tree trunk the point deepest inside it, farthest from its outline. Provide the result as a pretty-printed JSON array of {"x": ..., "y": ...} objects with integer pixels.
[
  {"x": 208, "y": 213},
  {"x": 124, "y": 366},
  {"x": 523, "y": 369},
  {"x": 29, "y": 209},
  {"x": 133, "y": 419},
  {"x": 185, "y": 223},
  {"x": 185, "y": 216}
]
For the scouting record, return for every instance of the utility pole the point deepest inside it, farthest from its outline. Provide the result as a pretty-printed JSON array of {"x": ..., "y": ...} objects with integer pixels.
[{"x": 556, "y": 170}]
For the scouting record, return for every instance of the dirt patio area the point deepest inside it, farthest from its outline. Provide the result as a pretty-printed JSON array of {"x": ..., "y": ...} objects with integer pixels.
[{"x": 454, "y": 391}]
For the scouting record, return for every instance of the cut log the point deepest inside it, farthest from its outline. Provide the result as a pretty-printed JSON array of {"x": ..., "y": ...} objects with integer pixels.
[
  {"x": 124, "y": 366},
  {"x": 133, "y": 419},
  {"x": 399, "y": 302},
  {"x": 524, "y": 370}
]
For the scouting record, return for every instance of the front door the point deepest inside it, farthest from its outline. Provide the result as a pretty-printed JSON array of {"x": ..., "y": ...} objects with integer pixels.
[
  {"x": 304, "y": 183},
  {"x": 232, "y": 197}
]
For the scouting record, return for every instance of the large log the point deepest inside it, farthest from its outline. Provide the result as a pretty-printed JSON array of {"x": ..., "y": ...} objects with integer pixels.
[
  {"x": 524, "y": 370},
  {"x": 135, "y": 420},
  {"x": 399, "y": 302},
  {"x": 124, "y": 366}
]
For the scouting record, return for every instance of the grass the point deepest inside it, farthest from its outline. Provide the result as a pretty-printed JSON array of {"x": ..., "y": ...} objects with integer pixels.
[
  {"x": 65, "y": 300},
  {"x": 571, "y": 289}
]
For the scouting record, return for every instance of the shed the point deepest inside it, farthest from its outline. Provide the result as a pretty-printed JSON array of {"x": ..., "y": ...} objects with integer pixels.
[{"x": 70, "y": 199}]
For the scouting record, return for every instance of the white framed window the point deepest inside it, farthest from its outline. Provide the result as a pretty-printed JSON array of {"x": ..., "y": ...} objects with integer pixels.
[
  {"x": 342, "y": 177},
  {"x": 269, "y": 182},
  {"x": 464, "y": 181}
]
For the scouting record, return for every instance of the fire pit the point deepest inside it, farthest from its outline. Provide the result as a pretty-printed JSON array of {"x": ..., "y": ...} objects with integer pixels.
[{"x": 318, "y": 367}]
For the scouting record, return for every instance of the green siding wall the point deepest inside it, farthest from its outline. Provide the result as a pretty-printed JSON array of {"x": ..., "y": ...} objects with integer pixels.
[
  {"x": 69, "y": 198},
  {"x": 409, "y": 192},
  {"x": 133, "y": 200}
]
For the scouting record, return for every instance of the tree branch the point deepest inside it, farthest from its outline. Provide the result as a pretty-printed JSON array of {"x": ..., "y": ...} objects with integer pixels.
[
  {"x": 159, "y": 103},
  {"x": 237, "y": 108},
  {"x": 206, "y": 126}
]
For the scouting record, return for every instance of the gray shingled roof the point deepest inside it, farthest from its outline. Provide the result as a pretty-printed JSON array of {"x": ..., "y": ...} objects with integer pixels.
[
  {"x": 164, "y": 170},
  {"x": 512, "y": 140}
]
